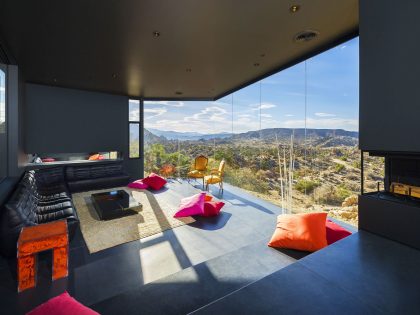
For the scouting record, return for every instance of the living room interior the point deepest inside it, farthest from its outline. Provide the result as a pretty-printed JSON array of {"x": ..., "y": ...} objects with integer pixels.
[{"x": 161, "y": 157}]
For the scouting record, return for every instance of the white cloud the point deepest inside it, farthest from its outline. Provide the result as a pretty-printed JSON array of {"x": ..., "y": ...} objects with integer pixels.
[
  {"x": 324, "y": 115},
  {"x": 266, "y": 115},
  {"x": 343, "y": 47},
  {"x": 154, "y": 112},
  {"x": 289, "y": 115},
  {"x": 165, "y": 103},
  {"x": 262, "y": 106},
  {"x": 134, "y": 115},
  {"x": 327, "y": 123},
  {"x": 212, "y": 113}
]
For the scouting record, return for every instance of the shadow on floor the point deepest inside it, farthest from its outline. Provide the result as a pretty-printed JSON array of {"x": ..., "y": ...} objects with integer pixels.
[{"x": 211, "y": 223}]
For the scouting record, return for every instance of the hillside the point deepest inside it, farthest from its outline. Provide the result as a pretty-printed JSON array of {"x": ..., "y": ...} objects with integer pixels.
[
  {"x": 317, "y": 137},
  {"x": 299, "y": 134}
]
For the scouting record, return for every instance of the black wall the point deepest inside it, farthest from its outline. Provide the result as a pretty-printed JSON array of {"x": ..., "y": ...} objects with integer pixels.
[
  {"x": 389, "y": 75},
  {"x": 60, "y": 120}
]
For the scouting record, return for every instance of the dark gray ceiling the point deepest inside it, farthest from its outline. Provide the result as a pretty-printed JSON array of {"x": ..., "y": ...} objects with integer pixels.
[{"x": 109, "y": 45}]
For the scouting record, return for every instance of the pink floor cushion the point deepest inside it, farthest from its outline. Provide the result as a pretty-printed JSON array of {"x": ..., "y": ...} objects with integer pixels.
[
  {"x": 154, "y": 181},
  {"x": 189, "y": 206},
  {"x": 62, "y": 304},
  {"x": 335, "y": 232},
  {"x": 212, "y": 208},
  {"x": 138, "y": 184}
]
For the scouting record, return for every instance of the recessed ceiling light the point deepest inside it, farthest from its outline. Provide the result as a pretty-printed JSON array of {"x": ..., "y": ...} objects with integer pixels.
[
  {"x": 156, "y": 34},
  {"x": 256, "y": 64},
  {"x": 114, "y": 75},
  {"x": 178, "y": 93},
  {"x": 55, "y": 79},
  {"x": 294, "y": 8}
]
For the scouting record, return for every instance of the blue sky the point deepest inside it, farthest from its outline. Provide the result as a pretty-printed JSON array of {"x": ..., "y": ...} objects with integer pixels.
[{"x": 332, "y": 100}]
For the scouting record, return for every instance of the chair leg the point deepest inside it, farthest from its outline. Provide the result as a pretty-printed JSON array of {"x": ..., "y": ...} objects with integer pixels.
[{"x": 203, "y": 183}]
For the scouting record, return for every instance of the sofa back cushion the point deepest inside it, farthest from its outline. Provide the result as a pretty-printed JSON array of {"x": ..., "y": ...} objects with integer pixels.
[{"x": 77, "y": 173}]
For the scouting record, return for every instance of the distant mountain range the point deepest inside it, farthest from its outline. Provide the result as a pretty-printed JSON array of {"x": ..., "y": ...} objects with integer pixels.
[
  {"x": 267, "y": 134},
  {"x": 175, "y": 135}
]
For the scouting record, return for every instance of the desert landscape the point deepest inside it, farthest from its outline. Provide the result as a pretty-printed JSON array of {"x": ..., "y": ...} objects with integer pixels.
[{"x": 302, "y": 171}]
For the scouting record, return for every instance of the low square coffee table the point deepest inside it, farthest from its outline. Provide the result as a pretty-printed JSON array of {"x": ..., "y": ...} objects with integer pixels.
[{"x": 115, "y": 204}]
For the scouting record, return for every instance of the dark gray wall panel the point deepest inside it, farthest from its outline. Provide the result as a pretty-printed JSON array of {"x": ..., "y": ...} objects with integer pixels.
[
  {"x": 62, "y": 120},
  {"x": 59, "y": 120},
  {"x": 389, "y": 75}
]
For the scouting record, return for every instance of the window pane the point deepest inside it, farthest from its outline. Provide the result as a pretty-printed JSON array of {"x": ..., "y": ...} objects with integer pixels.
[
  {"x": 3, "y": 140},
  {"x": 134, "y": 140},
  {"x": 134, "y": 110},
  {"x": 2, "y": 102}
]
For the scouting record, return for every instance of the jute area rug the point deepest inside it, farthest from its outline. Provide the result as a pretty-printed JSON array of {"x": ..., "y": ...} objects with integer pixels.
[{"x": 155, "y": 217}]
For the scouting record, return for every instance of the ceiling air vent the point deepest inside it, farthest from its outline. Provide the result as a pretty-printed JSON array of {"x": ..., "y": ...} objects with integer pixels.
[{"x": 306, "y": 36}]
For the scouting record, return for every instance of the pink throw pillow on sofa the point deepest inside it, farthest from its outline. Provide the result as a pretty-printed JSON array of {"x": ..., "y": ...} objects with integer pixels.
[
  {"x": 138, "y": 184},
  {"x": 189, "y": 206},
  {"x": 154, "y": 181},
  {"x": 62, "y": 304},
  {"x": 335, "y": 232}
]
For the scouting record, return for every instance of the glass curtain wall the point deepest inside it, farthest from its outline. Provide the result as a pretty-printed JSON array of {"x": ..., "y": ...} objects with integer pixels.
[
  {"x": 3, "y": 122},
  {"x": 291, "y": 138}
]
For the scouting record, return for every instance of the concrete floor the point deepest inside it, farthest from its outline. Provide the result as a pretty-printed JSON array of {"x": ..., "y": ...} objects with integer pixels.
[{"x": 242, "y": 229}]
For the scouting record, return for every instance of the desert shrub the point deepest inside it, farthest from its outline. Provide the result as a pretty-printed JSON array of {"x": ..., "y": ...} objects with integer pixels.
[
  {"x": 338, "y": 167},
  {"x": 306, "y": 185},
  {"x": 332, "y": 195},
  {"x": 246, "y": 178}
]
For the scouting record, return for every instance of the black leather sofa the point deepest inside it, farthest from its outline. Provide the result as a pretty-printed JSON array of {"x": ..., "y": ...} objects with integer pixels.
[
  {"x": 44, "y": 195},
  {"x": 40, "y": 197},
  {"x": 96, "y": 176}
]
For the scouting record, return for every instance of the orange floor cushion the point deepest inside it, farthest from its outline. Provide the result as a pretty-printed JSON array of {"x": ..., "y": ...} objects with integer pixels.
[{"x": 304, "y": 231}]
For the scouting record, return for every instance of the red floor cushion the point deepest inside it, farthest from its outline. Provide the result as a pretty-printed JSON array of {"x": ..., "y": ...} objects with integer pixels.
[
  {"x": 155, "y": 181},
  {"x": 212, "y": 208},
  {"x": 189, "y": 206},
  {"x": 335, "y": 232},
  {"x": 138, "y": 184},
  {"x": 62, "y": 304},
  {"x": 303, "y": 231}
]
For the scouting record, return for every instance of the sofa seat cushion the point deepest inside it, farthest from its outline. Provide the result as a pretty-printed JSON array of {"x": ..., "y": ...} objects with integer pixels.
[
  {"x": 65, "y": 213},
  {"x": 44, "y": 209}
]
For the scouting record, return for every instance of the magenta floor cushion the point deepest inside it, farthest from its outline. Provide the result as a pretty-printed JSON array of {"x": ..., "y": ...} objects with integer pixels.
[
  {"x": 212, "y": 208},
  {"x": 189, "y": 206},
  {"x": 154, "y": 181},
  {"x": 335, "y": 232},
  {"x": 62, "y": 304},
  {"x": 138, "y": 184}
]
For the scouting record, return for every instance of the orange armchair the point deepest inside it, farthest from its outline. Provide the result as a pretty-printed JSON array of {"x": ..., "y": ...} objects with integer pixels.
[
  {"x": 200, "y": 168},
  {"x": 216, "y": 176}
]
